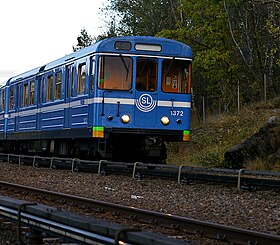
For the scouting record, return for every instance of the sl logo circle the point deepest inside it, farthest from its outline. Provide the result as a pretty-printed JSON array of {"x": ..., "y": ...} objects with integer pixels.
[{"x": 145, "y": 103}]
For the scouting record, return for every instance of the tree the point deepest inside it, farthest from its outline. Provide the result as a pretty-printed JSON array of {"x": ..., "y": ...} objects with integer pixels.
[
  {"x": 233, "y": 41},
  {"x": 203, "y": 25},
  {"x": 143, "y": 17},
  {"x": 84, "y": 40},
  {"x": 255, "y": 28},
  {"x": 111, "y": 31}
]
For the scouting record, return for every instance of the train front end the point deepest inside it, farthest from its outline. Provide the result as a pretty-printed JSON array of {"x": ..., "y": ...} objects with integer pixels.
[{"x": 143, "y": 96}]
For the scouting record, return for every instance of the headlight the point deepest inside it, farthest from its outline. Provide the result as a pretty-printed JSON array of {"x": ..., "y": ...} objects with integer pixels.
[
  {"x": 165, "y": 120},
  {"x": 125, "y": 118}
]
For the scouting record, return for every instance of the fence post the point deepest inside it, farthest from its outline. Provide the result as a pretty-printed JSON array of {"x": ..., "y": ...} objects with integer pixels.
[
  {"x": 238, "y": 97},
  {"x": 203, "y": 110}
]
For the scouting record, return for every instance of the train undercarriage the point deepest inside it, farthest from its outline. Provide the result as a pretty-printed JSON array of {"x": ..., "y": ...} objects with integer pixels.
[{"x": 117, "y": 147}]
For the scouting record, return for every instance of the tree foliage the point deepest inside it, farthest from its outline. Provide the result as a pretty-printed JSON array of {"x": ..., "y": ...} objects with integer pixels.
[
  {"x": 110, "y": 32},
  {"x": 143, "y": 17},
  {"x": 254, "y": 27},
  {"x": 208, "y": 35},
  {"x": 84, "y": 40},
  {"x": 233, "y": 41}
]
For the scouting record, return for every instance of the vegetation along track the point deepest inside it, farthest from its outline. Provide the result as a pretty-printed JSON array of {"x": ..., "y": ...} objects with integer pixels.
[{"x": 168, "y": 221}]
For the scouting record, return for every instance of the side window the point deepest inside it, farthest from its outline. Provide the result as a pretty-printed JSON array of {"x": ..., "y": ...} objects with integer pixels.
[
  {"x": 49, "y": 88},
  {"x": 2, "y": 100},
  {"x": 11, "y": 104},
  {"x": 57, "y": 94},
  {"x": 81, "y": 79},
  {"x": 25, "y": 94},
  {"x": 32, "y": 93}
]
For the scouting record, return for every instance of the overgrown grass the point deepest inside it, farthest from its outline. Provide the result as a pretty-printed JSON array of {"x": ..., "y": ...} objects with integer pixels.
[
  {"x": 210, "y": 141},
  {"x": 260, "y": 164}
]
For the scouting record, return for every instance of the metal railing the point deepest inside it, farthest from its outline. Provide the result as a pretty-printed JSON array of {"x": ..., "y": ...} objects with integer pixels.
[{"x": 73, "y": 227}]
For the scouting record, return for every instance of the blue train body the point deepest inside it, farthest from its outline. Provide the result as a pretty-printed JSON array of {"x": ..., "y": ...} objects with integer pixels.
[{"x": 121, "y": 97}]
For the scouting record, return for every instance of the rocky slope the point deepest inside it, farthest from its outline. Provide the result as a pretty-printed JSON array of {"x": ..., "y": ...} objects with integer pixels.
[{"x": 210, "y": 141}]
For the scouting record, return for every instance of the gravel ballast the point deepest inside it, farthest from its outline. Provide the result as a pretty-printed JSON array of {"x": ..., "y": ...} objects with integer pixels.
[{"x": 258, "y": 210}]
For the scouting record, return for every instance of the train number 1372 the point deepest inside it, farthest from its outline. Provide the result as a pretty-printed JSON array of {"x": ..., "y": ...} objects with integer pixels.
[{"x": 177, "y": 113}]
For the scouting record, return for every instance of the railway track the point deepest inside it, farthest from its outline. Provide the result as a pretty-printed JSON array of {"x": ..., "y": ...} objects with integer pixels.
[
  {"x": 243, "y": 179},
  {"x": 154, "y": 219},
  {"x": 51, "y": 221}
]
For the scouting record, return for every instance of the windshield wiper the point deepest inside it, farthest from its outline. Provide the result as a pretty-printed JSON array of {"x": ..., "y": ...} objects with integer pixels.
[
  {"x": 125, "y": 66},
  {"x": 170, "y": 65}
]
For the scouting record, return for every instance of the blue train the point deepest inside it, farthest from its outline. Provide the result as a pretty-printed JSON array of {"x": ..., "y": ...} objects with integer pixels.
[{"x": 120, "y": 98}]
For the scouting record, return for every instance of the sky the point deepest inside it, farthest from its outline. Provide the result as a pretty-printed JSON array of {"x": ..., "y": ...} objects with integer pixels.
[{"x": 34, "y": 32}]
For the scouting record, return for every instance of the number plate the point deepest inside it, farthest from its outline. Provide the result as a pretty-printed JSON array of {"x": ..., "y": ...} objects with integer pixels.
[{"x": 177, "y": 113}]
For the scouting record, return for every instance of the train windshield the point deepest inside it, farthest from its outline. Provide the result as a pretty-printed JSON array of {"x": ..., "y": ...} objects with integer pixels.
[
  {"x": 176, "y": 76},
  {"x": 115, "y": 72},
  {"x": 146, "y": 75}
]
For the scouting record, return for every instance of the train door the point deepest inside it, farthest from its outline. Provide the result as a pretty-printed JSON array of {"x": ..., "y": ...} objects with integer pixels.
[
  {"x": 17, "y": 104},
  {"x": 79, "y": 95},
  {"x": 11, "y": 109},
  {"x": 39, "y": 93},
  {"x": 69, "y": 92},
  {"x": 146, "y": 94},
  {"x": 91, "y": 72},
  {"x": 2, "y": 112}
]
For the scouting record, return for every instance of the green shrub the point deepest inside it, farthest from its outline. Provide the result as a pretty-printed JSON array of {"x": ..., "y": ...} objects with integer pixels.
[{"x": 211, "y": 159}]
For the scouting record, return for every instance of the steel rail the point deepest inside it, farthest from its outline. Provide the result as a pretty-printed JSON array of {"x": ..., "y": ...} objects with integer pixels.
[{"x": 223, "y": 232}]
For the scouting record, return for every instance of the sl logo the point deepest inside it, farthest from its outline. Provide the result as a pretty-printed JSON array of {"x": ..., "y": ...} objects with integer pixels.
[{"x": 145, "y": 103}]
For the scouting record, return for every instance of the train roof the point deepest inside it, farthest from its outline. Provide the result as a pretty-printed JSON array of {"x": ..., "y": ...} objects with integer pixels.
[{"x": 158, "y": 46}]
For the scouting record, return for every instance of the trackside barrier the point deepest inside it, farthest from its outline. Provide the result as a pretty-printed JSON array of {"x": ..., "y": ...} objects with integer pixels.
[
  {"x": 34, "y": 162},
  {"x": 179, "y": 174},
  {"x": 72, "y": 160},
  {"x": 75, "y": 227},
  {"x": 99, "y": 166},
  {"x": 51, "y": 165},
  {"x": 231, "y": 176},
  {"x": 19, "y": 158},
  {"x": 73, "y": 163},
  {"x": 12, "y": 155},
  {"x": 124, "y": 231},
  {"x": 180, "y": 170},
  {"x": 21, "y": 208},
  {"x": 134, "y": 168},
  {"x": 239, "y": 179}
]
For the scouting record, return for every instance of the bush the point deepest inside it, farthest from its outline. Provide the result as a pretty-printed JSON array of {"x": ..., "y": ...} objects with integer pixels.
[{"x": 211, "y": 159}]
